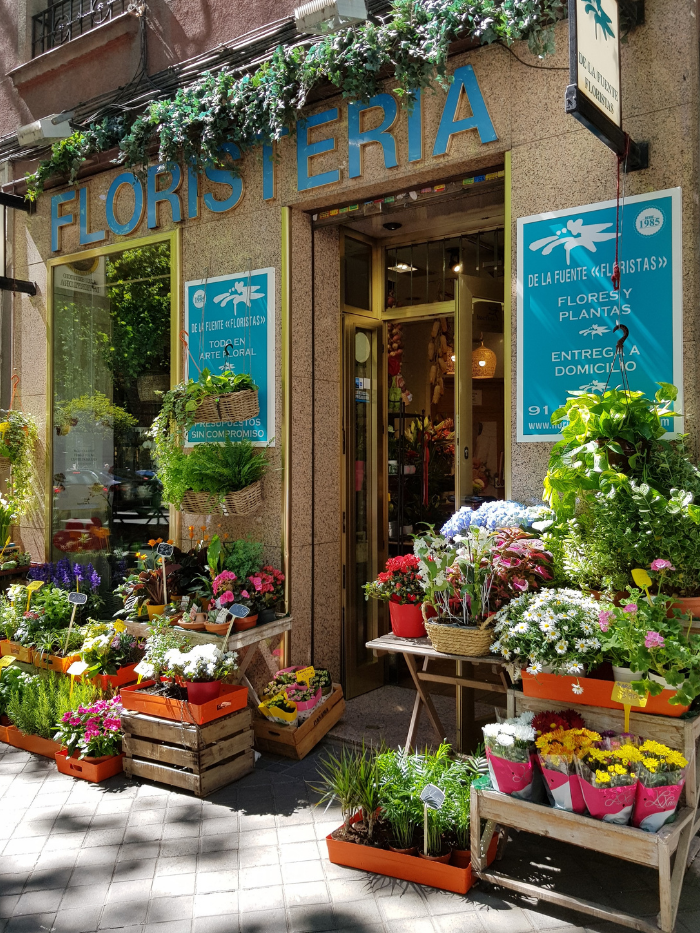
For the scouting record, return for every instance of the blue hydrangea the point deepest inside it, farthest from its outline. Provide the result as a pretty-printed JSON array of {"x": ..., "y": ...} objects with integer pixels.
[{"x": 494, "y": 515}]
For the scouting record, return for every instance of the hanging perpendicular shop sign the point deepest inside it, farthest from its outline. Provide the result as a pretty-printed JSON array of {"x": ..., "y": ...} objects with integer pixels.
[
  {"x": 568, "y": 308},
  {"x": 593, "y": 95}
]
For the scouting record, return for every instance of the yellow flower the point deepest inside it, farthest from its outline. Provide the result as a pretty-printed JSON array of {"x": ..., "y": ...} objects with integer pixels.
[
  {"x": 650, "y": 764},
  {"x": 602, "y": 777}
]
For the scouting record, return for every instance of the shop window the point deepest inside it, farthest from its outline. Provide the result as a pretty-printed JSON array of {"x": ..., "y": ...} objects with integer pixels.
[
  {"x": 64, "y": 20},
  {"x": 111, "y": 365},
  {"x": 357, "y": 268}
]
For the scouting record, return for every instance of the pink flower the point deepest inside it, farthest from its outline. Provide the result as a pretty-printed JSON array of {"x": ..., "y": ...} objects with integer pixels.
[
  {"x": 227, "y": 597},
  {"x": 654, "y": 640},
  {"x": 660, "y": 564},
  {"x": 519, "y": 584},
  {"x": 604, "y": 619},
  {"x": 630, "y": 607},
  {"x": 245, "y": 594}
]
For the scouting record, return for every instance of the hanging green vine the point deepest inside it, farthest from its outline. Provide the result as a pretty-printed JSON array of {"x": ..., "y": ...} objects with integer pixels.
[
  {"x": 18, "y": 440},
  {"x": 412, "y": 41}
]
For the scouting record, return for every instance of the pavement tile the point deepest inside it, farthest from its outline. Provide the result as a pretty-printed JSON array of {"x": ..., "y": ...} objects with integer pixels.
[
  {"x": 263, "y": 921},
  {"x": 133, "y": 851},
  {"x": 460, "y": 923},
  {"x": 226, "y": 860},
  {"x": 220, "y": 826},
  {"x": 48, "y": 878},
  {"x": 179, "y": 830},
  {"x": 260, "y": 877},
  {"x": 79, "y": 920},
  {"x": 306, "y": 892},
  {"x": 212, "y": 905},
  {"x": 421, "y": 925},
  {"x": 129, "y": 891},
  {"x": 134, "y": 869},
  {"x": 8, "y": 902},
  {"x": 142, "y": 817},
  {"x": 61, "y": 841},
  {"x": 31, "y": 923},
  {"x": 29, "y": 846},
  {"x": 85, "y": 896},
  {"x": 24, "y": 829},
  {"x": 271, "y": 898},
  {"x": 103, "y": 837},
  {"x": 507, "y": 920},
  {"x": 170, "y": 926},
  {"x": 188, "y": 845},
  {"x": 295, "y": 872},
  {"x": 55, "y": 860},
  {"x": 13, "y": 884},
  {"x": 253, "y": 839},
  {"x": 173, "y": 885},
  {"x": 311, "y": 919},
  {"x": 37, "y": 902},
  {"x": 298, "y": 852},
  {"x": 142, "y": 835},
  {"x": 217, "y": 844},
  {"x": 255, "y": 856},
  {"x": 163, "y": 909},
  {"x": 180, "y": 865},
  {"x": 406, "y": 907},
  {"x": 223, "y": 924},
  {"x": 97, "y": 855},
  {"x": 211, "y": 882},
  {"x": 125, "y": 912}
]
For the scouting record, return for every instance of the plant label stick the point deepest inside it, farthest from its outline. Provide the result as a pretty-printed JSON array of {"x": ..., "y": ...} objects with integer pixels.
[
  {"x": 164, "y": 550},
  {"x": 237, "y": 611},
  {"x": 6, "y": 543},
  {"x": 75, "y": 599},
  {"x": 433, "y": 799},
  {"x": 31, "y": 588},
  {"x": 628, "y": 696}
]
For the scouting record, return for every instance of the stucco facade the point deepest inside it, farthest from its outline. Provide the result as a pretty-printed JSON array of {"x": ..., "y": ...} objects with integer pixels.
[{"x": 553, "y": 163}]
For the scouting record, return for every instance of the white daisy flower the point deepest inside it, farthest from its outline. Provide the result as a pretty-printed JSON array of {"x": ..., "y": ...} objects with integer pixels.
[
  {"x": 521, "y": 627},
  {"x": 574, "y": 667},
  {"x": 562, "y": 646},
  {"x": 535, "y": 668},
  {"x": 577, "y": 689}
]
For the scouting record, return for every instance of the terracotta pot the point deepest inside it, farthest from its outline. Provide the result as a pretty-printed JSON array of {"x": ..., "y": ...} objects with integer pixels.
[
  {"x": 90, "y": 769},
  {"x": 200, "y": 693},
  {"x": 154, "y": 611},
  {"x": 442, "y": 859},
  {"x": 195, "y": 626},
  {"x": 689, "y": 605},
  {"x": 462, "y": 858},
  {"x": 412, "y": 851},
  {"x": 407, "y": 621},
  {"x": 215, "y": 628},
  {"x": 231, "y": 698},
  {"x": 240, "y": 625}
]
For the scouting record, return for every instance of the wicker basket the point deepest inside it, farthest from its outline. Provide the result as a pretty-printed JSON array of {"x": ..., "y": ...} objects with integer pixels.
[
  {"x": 201, "y": 503},
  {"x": 245, "y": 500},
  {"x": 233, "y": 406},
  {"x": 451, "y": 639}
]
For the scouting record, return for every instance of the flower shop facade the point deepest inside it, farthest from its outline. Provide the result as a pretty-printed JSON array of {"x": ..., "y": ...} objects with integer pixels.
[{"x": 360, "y": 272}]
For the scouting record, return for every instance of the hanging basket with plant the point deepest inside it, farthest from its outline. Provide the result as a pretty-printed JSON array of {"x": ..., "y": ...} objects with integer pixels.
[
  {"x": 18, "y": 440},
  {"x": 216, "y": 478},
  {"x": 226, "y": 397}
]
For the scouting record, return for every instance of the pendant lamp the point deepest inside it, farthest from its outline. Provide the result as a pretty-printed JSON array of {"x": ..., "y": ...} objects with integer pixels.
[{"x": 483, "y": 362}]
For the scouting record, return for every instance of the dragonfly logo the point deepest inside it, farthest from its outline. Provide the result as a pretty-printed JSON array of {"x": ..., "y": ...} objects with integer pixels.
[{"x": 574, "y": 234}]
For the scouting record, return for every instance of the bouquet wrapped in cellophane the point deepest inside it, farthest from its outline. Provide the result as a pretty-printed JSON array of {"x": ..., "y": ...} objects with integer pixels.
[
  {"x": 558, "y": 752},
  {"x": 608, "y": 780},
  {"x": 510, "y": 752},
  {"x": 661, "y": 775}
]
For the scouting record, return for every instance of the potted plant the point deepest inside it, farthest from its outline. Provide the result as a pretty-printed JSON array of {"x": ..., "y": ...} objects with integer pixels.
[
  {"x": 400, "y": 586},
  {"x": 12, "y": 680},
  {"x": 56, "y": 650},
  {"x": 111, "y": 655},
  {"x": 91, "y": 737},
  {"x": 400, "y": 806},
  {"x": 322, "y": 678},
  {"x": 268, "y": 586},
  {"x": 305, "y": 698},
  {"x": 36, "y": 706},
  {"x": 510, "y": 752},
  {"x": 661, "y": 778},
  {"x": 18, "y": 439},
  {"x": 202, "y": 669},
  {"x": 227, "y": 474}
]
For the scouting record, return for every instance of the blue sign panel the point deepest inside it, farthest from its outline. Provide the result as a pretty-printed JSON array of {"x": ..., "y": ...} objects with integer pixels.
[
  {"x": 568, "y": 307},
  {"x": 231, "y": 325}
]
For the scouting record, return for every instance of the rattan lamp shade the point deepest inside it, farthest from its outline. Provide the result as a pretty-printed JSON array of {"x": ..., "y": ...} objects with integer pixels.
[{"x": 483, "y": 363}]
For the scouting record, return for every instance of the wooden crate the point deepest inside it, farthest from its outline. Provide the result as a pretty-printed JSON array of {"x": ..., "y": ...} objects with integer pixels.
[
  {"x": 297, "y": 741},
  {"x": 200, "y": 759}
]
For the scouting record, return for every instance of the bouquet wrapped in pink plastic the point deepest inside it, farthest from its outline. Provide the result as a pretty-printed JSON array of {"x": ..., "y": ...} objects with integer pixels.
[
  {"x": 510, "y": 752},
  {"x": 558, "y": 752},
  {"x": 608, "y": 781},
  {"x": 661, "y": 775}
]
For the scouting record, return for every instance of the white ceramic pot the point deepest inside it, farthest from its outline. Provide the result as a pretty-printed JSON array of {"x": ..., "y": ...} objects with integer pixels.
[
  {"x": 661, "y": 680},
  {"x": 624, "y": 675}
]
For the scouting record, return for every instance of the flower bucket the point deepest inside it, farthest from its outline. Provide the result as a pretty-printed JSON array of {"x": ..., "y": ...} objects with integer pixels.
[
  {"x": 16, "y": 650},
  {"x": 33, "y": 743},
  {"x": 656, "y": 801},
  {"x": 90, "y": 769},
  {"x": 514, "y": 778},
  {"x": 124, "y": 675},
  {"x": 52, "y": 662},
  {"x": 304, "y": 707},
  {"x": 154, "y": 611},
  {"x": 200, "y": 693},
  {"x": 407, "y": 620},
  {"x": 232, "y": 697},
  {"x": 594, "y": 692}
]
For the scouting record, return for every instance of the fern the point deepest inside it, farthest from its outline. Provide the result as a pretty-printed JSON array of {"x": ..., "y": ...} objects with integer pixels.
[{"x": 220, "y": 469}]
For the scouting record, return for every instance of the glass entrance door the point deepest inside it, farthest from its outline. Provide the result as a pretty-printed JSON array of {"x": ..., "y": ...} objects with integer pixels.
[{"x": 363, "y": 541}]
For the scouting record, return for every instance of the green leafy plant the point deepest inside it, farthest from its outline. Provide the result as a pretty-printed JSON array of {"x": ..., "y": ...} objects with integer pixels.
[
  {"x": 53, "y": 605},
  {"x": 412, "y": 41},
  {"x": 605, "y": 440},
  {"x": 36, "y": 707},
  {"x": 18, "y": 439},
  {"x": 94, "y": 410},
  {"x": 244, "y": 557},
  {"x": 337, "y": 781},
  {"x": 58, "y": 643},
  {"x": 162, "y": 639},
  {"x": 12, "y": 679},
  {"x": 216, "y": 469},
  {"x": 400, "y": 806}
]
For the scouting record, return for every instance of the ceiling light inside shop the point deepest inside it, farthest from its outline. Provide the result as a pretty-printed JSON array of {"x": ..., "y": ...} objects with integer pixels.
[
  {"x": 483, "y": 362},
  {"x": 403, "y": 267},
  {"x": 319, "y": 16}
]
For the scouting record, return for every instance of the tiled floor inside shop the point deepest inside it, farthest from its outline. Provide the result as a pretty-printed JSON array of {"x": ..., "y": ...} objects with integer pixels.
[{"x": 140, "y": 858}]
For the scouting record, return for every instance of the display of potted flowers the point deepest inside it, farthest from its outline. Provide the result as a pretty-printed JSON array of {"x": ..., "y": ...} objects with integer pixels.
[
  {"x": 202, "y": 669},
  {"x": 55, "y": 650},
  {"x": 661, "y": 776},
  {"x": 400, "y": 586},
  {"x": 268, "y": 590},
  {"x": 91, "y": 734},
  {"x": 110, "y": 654},
  {"x": 608, "y": 781},
  {"x": 306, "y": 698},
  {"x": 554, "y": 630},
  {"x": 558, "y": 752},
  {"x": 510, "y": 752}
]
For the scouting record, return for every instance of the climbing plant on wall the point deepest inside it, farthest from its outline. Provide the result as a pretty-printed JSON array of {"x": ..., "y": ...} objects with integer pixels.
[{"x": 411, "y": 42}]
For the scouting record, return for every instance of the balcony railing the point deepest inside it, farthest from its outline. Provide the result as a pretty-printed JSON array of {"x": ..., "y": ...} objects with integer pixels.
[{"x": 67, "y": 19}]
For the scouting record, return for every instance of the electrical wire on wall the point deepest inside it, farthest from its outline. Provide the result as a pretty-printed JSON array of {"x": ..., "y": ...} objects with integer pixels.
[{"x": 313, "y": 446}]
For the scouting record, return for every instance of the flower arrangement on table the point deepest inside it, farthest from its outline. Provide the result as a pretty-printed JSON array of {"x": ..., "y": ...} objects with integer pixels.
[
  {"x": 105, "y": 649},
  {"x": 399, "y": 583},
  {"x": 557, "y": 628},
  {"x": 496, "y": 515},
  {"x": 457, "y": 577},
  {"x": 92, "y": 731},
  {"x": 510, "y": 752},
  {"x": 655, "y": 644}
]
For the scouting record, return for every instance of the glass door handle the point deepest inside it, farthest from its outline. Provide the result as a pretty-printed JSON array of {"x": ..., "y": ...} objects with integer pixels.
[{"x": 466, "y": 453}]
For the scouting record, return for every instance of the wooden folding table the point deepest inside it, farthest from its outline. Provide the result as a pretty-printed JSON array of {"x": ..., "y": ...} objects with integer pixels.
[{"x": 464, "y": 681}]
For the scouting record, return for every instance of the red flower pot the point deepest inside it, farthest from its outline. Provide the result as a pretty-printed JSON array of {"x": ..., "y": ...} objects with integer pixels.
[
  {"x": 240, "y": 625},
  {"x": 407, "y": 620},
  {"x": 199, "y": 693}
]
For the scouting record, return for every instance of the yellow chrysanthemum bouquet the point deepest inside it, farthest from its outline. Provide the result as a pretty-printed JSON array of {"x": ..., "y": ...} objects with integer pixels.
[
  {"x": 661, "y": 775},
  {"x": 558, "y": 752}
]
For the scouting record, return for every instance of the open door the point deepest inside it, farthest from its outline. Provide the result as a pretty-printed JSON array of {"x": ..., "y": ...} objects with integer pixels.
[
  {"x": 463, "y": 393},
  {"x": 363, "y": 540}
]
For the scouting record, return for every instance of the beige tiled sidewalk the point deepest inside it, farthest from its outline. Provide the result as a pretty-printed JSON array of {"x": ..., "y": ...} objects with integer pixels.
[{"x": 82, "y": 858}]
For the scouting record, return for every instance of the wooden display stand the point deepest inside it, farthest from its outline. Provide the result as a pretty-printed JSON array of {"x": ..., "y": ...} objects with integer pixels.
[
  {"x": 200, "y": 759},
  {"x": 653, "y": 850},
  {"x": 297, "y": 741}
]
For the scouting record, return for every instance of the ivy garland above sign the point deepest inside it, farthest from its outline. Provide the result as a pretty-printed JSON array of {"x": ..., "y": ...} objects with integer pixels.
[{"x": 412, "y": 42}]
